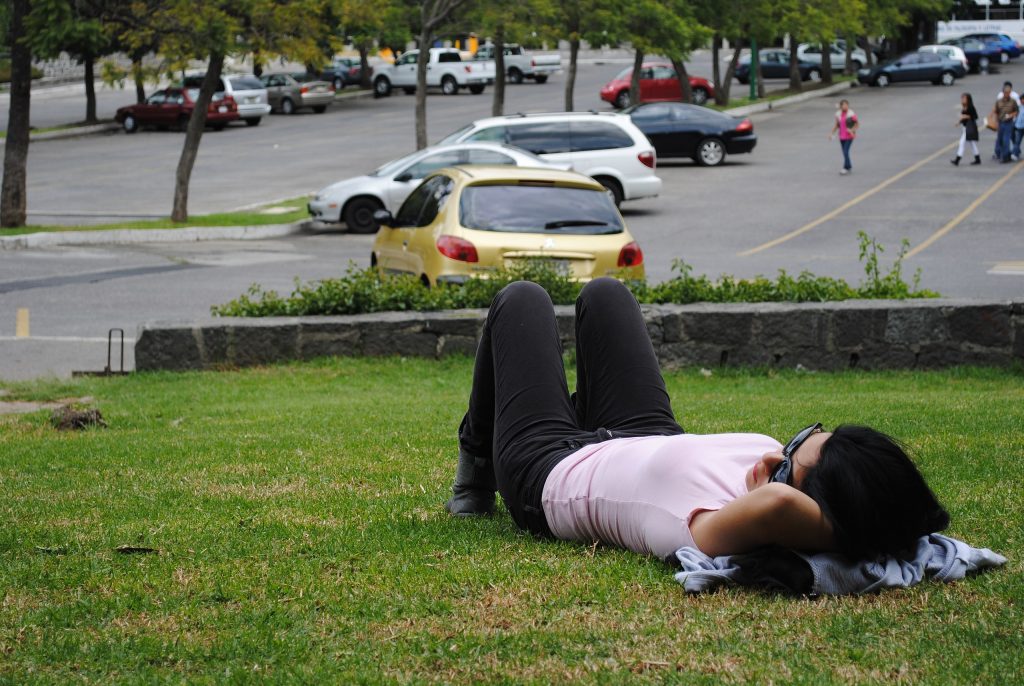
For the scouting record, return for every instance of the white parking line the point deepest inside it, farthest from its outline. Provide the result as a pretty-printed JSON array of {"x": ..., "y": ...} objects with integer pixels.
[{"x": 1007, "y": 269}]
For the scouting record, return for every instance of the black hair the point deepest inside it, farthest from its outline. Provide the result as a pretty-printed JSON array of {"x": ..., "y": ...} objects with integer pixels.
[
  {"x": 1007, "y": 84},
  {"x": 872, "y": 493},
  {"x": 970, "y": 110}
]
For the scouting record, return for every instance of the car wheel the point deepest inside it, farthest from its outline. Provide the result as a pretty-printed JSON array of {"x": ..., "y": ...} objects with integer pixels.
[
  {"x": 743, "y": 80},
  {"x": 700, "y": 96},
  {"x": 182, "y": 123},
  {"x": 287, "y": 106},
  {"x": 612, "y": 187},
  {"x": 358, "y": 214},
  {"x": 622, "y": 100},
  {"x": 130, "y": 124},
  {"x": 515, "y": 76},
  {"x": 882, "y": 80},
  {"x": 476, "y": 89},
  {"x": 320, "y": 109},
  {"x": 381, "y": 88},
  {"x": 947, "y": 78},
  {"x": 219, "y": 127},
  {"x": 449, "y": 86},
  {"x": 541, "y": 78},
  {"x": 814, "y": 75},
  {"x": 856, "y": 64},
  {"x": 255, "y": 121},
  {"x": 710, "y": 152},
  {"x": 1004, "y": 58},
  {"x": 983, "y": 64},
  {"x": 339, "y": 84}
]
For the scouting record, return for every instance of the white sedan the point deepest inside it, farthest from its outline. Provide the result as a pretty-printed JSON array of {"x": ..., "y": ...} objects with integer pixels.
[
  {"x": 811, "y": 52},
  {"x": 354, "y": 200}
]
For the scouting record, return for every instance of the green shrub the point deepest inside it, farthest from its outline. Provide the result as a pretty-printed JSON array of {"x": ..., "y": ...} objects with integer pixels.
[
  {"x": 364, "y": 290},
  {"x": 5, "y": 71}
]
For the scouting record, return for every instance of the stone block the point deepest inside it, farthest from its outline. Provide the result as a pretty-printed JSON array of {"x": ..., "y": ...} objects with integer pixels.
[
  {"x": 728, "y": 329},
  {"x": 916, "y": 325},
  {"x": 987, "y": 325},
  {"x": 858, "y": 328},
  {"x": 255, "y": 345},
  {"x": 215, "y": 344},
  {"x": 406, "y": 339},
  {"x": 456, "y": 324},
  {"x": 671, "y": 327},
  {"x": 457, "y": 345},
  {"x": 797, "y": 328},
  {"x": 174, "y": 348},
  {"x": 326, "y": 339}
]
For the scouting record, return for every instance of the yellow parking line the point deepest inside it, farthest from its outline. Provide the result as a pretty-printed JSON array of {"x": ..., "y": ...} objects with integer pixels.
[
  {"x": 21, "y": 323},
  {"x": 847, "y": 205},
  {"x": 953, "y": 223}
]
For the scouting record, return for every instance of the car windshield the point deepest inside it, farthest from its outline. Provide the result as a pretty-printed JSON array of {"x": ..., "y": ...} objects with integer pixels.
[
  {"x": 245, "y": 83},
  {"x": 538, "y": 207},
  {"x": 626, "y": 73},
  {"x": 455, "y": 136},
  {"x": 394, "y": 165}
]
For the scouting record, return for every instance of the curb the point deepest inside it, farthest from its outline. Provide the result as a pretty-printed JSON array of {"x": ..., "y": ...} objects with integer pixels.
[
  {"x": 791, "y": 100},
  {"x": 126, "y": 236}
]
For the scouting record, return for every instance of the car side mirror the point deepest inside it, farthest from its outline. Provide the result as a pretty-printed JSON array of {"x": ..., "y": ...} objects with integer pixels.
[
  {"x": 384, "y": 218},
  {"x": 404, "y": 177},
  {"x": 898, "y": 64}
]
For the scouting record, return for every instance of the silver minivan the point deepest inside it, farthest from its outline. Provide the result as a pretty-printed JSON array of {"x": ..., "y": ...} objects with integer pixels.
[{"x": 248, "y": 92}]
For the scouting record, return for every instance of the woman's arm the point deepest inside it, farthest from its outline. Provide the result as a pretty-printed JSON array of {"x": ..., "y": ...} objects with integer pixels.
[{"x": 773, "y": 514}]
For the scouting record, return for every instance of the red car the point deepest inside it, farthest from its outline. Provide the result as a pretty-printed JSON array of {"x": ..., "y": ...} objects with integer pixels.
[
  {"x": 172, "y": 107},
  {"x": 657, "y": 82}
]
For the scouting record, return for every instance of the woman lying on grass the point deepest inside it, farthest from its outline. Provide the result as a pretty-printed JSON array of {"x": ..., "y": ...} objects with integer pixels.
[{"x": 611, "y": 463}]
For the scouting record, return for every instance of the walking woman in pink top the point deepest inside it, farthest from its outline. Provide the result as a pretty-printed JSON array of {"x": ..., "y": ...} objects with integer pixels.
[
  {"x": 846, "y": 125},
  {"x": 610, "y": 463}
]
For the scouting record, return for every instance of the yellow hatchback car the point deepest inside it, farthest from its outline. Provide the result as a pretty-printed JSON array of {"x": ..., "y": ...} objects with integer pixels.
[{"x": 468, "y": 221}]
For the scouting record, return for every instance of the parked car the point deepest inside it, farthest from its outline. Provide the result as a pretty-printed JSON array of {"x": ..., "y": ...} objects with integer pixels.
[
  {"x": 676, "y": 129},
  {"x": 521, "y": 64},
  {"x": 466, "y": 222},
  {"x": 1011, "y": 48},
  {"x": 172, "y": 108},
  {"x": 953, "y": 52},
  {"x": 605, "y": 145},
  {"x": 247, "y": 91},
  {"x": 354, "y": 200},
  {"x": 286, "y": 94},
  {"x": 344, "y": 71},
  {"x": 980, "y": 54},
  {"x": 775, "y": 65},
  {"x": 445, "y": 70},
  {"x": 811, "y": 52},
  {"x": 658, "y": 81},
  {"x": 913, "y": 66}
]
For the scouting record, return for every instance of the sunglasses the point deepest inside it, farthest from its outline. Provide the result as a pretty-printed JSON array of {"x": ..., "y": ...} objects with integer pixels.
[{"x": 783, "y": 472}]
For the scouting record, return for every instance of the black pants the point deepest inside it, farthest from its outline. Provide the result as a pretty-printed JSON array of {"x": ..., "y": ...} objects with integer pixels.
[{"x": 520, "y": 413}]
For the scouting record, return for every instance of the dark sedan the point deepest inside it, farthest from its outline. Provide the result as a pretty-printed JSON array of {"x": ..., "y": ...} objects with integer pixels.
[
  {"x": 677, "y": 129},
  {"x": 172, "y": 107},
  {"x": 980, "y": 54},
  {"x": 914, "y": 66},
  {"x": 344, "y": 71},
  {"x": 775, "y": 65}
]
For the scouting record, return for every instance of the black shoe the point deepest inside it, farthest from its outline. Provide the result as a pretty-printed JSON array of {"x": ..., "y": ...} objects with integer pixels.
[
  {"x": 977, "y": 160},
  {"x": 474, "y": 487},
  {"x": 955, "y": 162}
]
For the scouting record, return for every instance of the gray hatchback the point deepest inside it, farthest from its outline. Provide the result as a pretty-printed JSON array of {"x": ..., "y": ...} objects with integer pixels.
[{"x": 286, "y": 95}]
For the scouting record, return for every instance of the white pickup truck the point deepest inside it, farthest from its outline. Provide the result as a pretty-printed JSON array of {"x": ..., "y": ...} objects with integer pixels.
[
  {"x": 445, "y": 70},
  {"x": 521, "y": 64}
]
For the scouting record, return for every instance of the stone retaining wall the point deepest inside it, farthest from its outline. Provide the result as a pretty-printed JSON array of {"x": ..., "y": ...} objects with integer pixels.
[{"x": 861, "y": 334}]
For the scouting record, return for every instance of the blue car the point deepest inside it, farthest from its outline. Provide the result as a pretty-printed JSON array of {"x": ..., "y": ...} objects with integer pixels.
[
  {"x": 980, "y": 54},
  {"x": 914, "y": 66},
  {"x": 1011, "y": 49}
]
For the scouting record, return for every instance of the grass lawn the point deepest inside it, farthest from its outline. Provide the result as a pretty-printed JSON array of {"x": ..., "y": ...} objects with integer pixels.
[
  {"x": 297, "y": 515},
  {"x": 296, "y": 210},
  {"x": 776, "y": 94}
]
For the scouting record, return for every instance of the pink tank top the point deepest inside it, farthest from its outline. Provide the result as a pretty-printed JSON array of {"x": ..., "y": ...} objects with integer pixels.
[{"x": 640, "y": 493}]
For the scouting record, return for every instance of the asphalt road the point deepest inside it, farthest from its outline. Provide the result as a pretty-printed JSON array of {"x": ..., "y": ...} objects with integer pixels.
[{"x": 784, "y": 206}]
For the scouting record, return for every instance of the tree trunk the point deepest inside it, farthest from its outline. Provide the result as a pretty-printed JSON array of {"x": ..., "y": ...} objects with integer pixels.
[
  {"x": 795, "y": 83},
  {"x": 13, "y": 200},
  {"x": 364, "y": 66},
  {"x": 716, "y": 68},
  {"x": 196, "y": 124},
  {"x": 498, "y": 106},
  {"x": 730, "y": 72},
  {"x": 826, "y": 63},
  {"x": 634, "y": 80},
  {"x": 140, "y": 86},
  {"x": 848, "y": 65},
  {"x": 421, "y": 89},
  {"x": 570, "y": 78},
  {"x": 760, "y": 80},
  {"x": 90, "y": 88},
  {"x": 686, "y": 92}
]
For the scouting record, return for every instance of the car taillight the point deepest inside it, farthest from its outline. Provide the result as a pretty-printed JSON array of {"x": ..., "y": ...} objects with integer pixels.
[
  {"x": 458, "y": 249},
  {"x": 304, "y": 90},
  {"x": 648, "y": 158},
  {"x": 533, "y": 63},
  {"x": 745, "y": 126},
  {"x": 631, "y": 255}
]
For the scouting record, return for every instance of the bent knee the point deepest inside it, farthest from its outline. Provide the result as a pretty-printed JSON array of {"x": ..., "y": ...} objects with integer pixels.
[
  {"x": 604, "y": 288},
  {"x": 522, "y": 291}
]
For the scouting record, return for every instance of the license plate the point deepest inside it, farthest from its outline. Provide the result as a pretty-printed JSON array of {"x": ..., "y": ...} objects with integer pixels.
[
  {"x": 222, "y": 108},
  {"x": 252, "y": 99}
]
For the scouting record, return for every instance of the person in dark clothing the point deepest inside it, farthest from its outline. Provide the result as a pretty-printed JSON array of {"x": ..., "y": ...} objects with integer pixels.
[{"x": 969, "y": 121}]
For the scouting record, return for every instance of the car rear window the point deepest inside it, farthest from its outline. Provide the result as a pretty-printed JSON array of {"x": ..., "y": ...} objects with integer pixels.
[
  {"x": 540, "y": 138},
  {"x": 538, "y": 208},
  {"x": 245, "y": 83},
  {"x": 449, "y": 57},
  {"x": 597, "y": 135},
  {"x": 196, "y": 82}
]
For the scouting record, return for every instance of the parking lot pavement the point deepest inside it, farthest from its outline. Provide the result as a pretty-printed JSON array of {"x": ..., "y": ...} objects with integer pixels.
[{"x": 783, "y": 207}]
